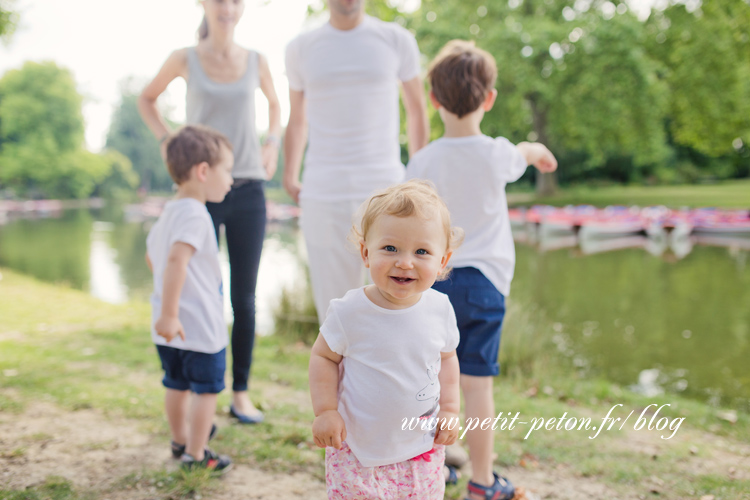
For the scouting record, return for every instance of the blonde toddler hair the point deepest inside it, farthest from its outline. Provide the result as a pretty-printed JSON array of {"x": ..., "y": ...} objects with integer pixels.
[{"x": 416, "y": 197}]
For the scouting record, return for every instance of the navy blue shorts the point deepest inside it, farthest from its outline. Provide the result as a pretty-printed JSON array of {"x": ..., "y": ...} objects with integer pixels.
[
  {"x": 480, "y": 310},
  {"x": 199, "y": 372}
]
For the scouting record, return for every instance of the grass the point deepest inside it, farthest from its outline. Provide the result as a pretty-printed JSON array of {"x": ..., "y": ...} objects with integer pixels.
[
  {"x": 51, "y": 353},
  {"x": 727, "y": 194}
]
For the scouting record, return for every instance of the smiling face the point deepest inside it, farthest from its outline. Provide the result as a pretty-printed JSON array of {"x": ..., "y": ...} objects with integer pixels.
[
  {"x": 405, "y": 255},
  {"x": 223, "y": 14}
]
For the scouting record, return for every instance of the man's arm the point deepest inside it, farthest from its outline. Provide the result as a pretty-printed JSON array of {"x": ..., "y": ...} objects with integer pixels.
[
  {"x": 417, "y": 125},
  {"x": 295, "y": 141}
]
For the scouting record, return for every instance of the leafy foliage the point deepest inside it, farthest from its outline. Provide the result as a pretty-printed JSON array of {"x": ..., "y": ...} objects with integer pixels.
[
  {"x": 129, "y": 135},
  {"x": 8, "y": 19},
  {"x": 41, "y": 136}
]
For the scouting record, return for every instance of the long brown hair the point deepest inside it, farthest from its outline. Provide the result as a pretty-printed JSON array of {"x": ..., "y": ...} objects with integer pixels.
[{"x": 203, "y": 29}]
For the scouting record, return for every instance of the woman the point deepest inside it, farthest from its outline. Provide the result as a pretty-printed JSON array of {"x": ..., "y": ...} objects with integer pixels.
[{"x": 221, "y": 80}]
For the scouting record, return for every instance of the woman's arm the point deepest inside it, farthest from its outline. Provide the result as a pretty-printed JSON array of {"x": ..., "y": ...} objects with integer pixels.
[
  {"x": 270, "y": 151},
  {"x": 174, "y": 66}
]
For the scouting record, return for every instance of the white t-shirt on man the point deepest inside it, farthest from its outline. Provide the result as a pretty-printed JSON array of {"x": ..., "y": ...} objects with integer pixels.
[
  {"x": 470, "y": 174},
  {"x": 201, "y": 309},
  {"x": 389, "y": 372},
  {"x": 350, "y": 81}
]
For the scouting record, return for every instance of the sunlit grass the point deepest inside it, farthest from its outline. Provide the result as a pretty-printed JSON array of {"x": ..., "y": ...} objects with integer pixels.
[
  {"x": 56, "y": 364},
  {"x": 727, "y": 194}
]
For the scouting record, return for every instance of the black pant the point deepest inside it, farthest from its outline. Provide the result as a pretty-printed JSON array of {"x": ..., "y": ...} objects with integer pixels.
[{"x": 243, "y": 213}]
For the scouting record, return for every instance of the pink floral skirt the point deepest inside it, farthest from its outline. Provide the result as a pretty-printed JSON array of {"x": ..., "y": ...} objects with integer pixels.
[{"x": 419, "y": 478}]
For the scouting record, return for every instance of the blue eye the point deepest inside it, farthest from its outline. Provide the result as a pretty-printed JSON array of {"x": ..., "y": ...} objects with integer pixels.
[
  {"x": 422, "y": 251},
  {"x": 389, "y": 248}
]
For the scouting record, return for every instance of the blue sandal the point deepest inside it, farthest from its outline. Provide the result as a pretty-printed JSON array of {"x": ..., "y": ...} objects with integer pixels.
[
  {"x": 246, "y": 419},
  {"x": 501, "y": 490},
  {"x": 452, "y": 475}
]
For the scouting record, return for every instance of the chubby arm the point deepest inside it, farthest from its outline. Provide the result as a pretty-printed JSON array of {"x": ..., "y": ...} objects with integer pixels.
[
  {"x": 417, "y": 125},
  {"x": 450, "y": 402},
  {"x": 168, "y": 325},
  {"x": 174, "y": 66},
  {"x": 538, "y": 155},
  {"x": 294, "y": 143},
  {"x": 149, "y": 263},
  {"x": 270, "y": 150},
  {"x": 328, "y": 426}
]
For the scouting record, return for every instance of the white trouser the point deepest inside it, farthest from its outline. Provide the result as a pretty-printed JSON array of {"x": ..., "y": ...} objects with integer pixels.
[{"x": 335, "y": 263}]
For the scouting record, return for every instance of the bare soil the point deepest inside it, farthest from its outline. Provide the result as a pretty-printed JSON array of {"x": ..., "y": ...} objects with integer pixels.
[{"x": 95, "y": 452}]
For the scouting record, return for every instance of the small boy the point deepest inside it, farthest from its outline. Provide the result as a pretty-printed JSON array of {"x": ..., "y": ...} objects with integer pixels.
[
  {"x": 470, "y": 171},
  {"x": 187, "y": 304}
]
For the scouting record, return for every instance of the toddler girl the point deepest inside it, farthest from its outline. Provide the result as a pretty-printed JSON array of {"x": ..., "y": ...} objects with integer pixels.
[{"x": 383, "y": 371}]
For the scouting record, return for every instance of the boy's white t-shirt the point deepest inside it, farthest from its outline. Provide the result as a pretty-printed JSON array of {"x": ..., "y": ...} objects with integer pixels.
[
  {"x": 470, "y": 174},
  {"x": 201, "y": 309},
  {"x": 389, "y": 372},
  {"x": 350, "y": 82}
]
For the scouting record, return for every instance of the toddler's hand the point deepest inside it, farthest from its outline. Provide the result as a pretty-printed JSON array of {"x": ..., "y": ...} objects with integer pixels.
[
  {"x": 446, "y": 431},
  {"x": 329, "y": 429},
  {"x": 169, "y": 328}
]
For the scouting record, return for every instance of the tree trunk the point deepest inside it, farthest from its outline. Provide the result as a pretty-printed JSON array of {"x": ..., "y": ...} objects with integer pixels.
[{"x": 546, "y": 184}]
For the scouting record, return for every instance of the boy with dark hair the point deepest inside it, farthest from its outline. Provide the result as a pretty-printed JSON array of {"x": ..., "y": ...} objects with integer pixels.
[
  {"x": 187, "y": 304},
  {"x": 470, "y": 171}
]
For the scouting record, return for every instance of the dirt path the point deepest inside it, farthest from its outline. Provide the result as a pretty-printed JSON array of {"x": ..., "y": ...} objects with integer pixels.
[{"x": 96, "y": 452}]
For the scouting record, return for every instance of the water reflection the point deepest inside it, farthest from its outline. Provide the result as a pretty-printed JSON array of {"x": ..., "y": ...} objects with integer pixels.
[
  {"x": 678, "y": 322},
  {"x": 105, "y": 282}
]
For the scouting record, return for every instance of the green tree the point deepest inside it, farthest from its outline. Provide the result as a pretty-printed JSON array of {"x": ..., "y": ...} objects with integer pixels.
[
  {"x": 129, "y": 135},
  {"x": 121, "y": 179},
  {"x": 705, "y": 54},
  {"x": 8, "y": 19},
  {"x": 41, "y": 134},
  {"x": 572, "y": 74}
]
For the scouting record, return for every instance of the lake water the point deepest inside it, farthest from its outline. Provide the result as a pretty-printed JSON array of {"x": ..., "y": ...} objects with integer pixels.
[{"x": 649, "y": 317}]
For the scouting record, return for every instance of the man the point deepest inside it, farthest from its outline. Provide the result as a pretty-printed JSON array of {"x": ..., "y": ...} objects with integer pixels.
[{"x": 343, "y": 86}]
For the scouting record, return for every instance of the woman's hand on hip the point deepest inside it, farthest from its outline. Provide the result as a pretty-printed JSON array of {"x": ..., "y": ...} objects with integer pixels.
[{"x": 270, "y": 157}]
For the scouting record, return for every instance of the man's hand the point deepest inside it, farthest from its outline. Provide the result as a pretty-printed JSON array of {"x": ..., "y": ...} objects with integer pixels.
[
  {"x": 444, "y": 434},
  {"x": 169, "y": 328},
  {"x": 329, "y": 429}
]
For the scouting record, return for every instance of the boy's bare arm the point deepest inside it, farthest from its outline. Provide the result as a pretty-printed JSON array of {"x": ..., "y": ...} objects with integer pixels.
[
  {"x": 417, "y": 124},
  {"x": 328, "y": 427},
  {"x": 538, "y": 155},
  {"x": 450, "y": 402},
  {"x": 168, "y": 325},
  {"x": 149, "y": 263}
]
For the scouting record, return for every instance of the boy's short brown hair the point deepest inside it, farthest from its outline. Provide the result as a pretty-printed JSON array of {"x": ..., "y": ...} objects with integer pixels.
[
  {"x": 191, "y": 145},
  {"x": 461, "y": 75}
]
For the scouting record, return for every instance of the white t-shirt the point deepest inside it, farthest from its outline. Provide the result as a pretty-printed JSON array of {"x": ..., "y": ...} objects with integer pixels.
[
  {"x": 350, "y": 81},
  {"x": 470, "y": 174},
  {"x": 201, "y": 310},
  {"x": 389, "y": 372}
]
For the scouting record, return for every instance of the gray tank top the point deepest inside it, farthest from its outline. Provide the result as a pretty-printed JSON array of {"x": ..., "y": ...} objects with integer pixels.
[{"x": 230, "y": 109}]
